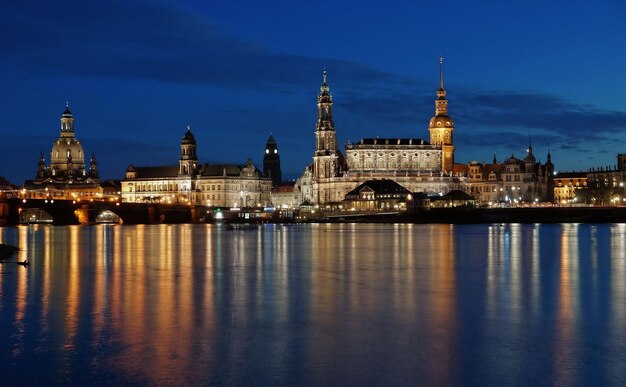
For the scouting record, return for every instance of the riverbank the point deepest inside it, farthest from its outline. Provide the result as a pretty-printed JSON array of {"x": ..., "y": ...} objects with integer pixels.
[{"x": 494, "y": 215}]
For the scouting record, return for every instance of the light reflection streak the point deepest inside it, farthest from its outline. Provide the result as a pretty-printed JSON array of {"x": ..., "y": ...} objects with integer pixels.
[
  {"x": 21, "y": 296},
  {"x": 73, "y": 290},
  {"x": 566, "y": 319},
  {"x": 617, "y": 333},
  {"x": 181, "y": 304}
]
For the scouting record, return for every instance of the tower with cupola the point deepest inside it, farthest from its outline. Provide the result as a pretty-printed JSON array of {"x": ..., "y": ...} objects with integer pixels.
[
  {"x": 326, "y": 157},
  {"x": 441, "y": 126},
  {"x": 188, "y": 163},
  {"x": 271, "y": 161}
]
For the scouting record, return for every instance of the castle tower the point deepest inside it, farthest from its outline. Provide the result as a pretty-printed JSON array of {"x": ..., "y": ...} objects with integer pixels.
[
  {"x": 441, "y": 126},
  {"x": 188, "y": 162},
  {"x": 325, "y": 159},
  {"x": 271, "y": 161}
]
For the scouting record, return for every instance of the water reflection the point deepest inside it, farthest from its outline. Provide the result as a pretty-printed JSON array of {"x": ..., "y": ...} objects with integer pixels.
[{"x": 316, "y": 304}]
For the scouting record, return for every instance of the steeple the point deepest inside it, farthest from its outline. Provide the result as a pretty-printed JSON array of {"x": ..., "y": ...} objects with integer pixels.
[
  {"x": 441, "y": 105},
  {"x": 549, "y": 155},
  {"x": 324, "y": 89},
  {"x": 441, "y": 126},
  {"x": 441, "y": 74},
  {"x": 530, "y": 146},
  {"x": 494, "y": 158},
  {"x": 326, "y": 162},
  {"x": 325, "y": 107}
]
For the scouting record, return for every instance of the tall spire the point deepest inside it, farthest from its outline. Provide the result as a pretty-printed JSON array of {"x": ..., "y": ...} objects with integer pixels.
[
  {"x": 324, "y": 89},
  {"x": 549, "y": 155},
  {"x": 530, "y": 145},
  {"x": 441, "y": 73}
]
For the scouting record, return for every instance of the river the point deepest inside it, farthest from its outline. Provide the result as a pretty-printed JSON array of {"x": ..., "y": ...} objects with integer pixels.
[{"x": 315, "y": 304}]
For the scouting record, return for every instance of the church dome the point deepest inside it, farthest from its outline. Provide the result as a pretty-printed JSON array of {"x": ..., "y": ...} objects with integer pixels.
[
  {"x": 441, "y": 121},
  {"x": 63, "y": 149}
]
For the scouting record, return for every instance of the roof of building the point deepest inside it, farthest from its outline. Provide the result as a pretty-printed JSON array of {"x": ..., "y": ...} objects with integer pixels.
[
  {"x": 420, "y": 196},
  {"x": 460, "y": 169},
  {"x": 392, "y": 141},
  {"x": 156, "y": 172},
  {"x": 110, "y": 184},
  {"x": 380, "y": 187},
  {"x": 188, "y": 138},
  {"x": 204, "y": 170},
  {"x": 457, "y": 194},
  {"x": 570, "y": 175}
]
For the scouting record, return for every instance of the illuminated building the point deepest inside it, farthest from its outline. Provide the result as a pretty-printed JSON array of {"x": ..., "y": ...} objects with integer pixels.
[
  {"x": 67, "y": 176},
  {"x": 192, "y": 183},
  {"x": 377, "y": 194},
  {"x": 566, "y": 186},
  {"x": 606, "y": 185},
  {"x": 513, "y": 181},
  {"x": 415, "y": 164}
]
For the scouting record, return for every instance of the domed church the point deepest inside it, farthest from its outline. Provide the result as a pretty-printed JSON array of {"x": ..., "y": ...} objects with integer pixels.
[{"x": 67, "y": 169}]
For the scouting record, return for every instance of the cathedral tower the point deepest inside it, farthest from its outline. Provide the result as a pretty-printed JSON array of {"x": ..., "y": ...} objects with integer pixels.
[
  {"x": 325, "y": 159},
  {"x": 271, "y": 161},
  {"x": 188, "y": 162},
  {"x": 441, "y": 126}
]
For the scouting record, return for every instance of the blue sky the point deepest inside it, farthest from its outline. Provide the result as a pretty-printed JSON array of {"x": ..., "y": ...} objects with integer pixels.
[{"x": 137, "y": 73}]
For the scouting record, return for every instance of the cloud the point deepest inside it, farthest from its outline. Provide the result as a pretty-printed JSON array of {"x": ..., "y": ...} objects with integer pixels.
[{"x": 149, "y": 40}]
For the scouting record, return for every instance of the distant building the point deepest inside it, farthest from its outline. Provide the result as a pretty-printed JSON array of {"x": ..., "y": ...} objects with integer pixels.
[
  {"x": 606, "y": 185},
  {"x": 567, "y": 185},
  {"x": 454, "y": 198},
  {"x": 377, "y": 195},
  {"x": 271, "y": 162},
  {"x": 66, "y": 176},
  {"x": 513, "y": 181},
  {"x": 414, "y": 163},
  {"x": 293, "y": 194},
  {"x": 192, "y": 183}
]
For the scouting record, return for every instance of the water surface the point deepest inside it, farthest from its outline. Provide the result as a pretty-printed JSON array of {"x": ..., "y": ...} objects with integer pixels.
[{"x": 331, "y": 304}]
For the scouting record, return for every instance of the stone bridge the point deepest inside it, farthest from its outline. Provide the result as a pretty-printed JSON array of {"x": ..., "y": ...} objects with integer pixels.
[{"x": 66, "y": 212}]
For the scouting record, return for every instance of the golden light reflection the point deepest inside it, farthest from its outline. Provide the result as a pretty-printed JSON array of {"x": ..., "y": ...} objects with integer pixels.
[
  {"x": 143, "y": 294},
  {"x": 566, "y": 319},
  {"x": 73, "y": 294},
  {"x": 21, "y": 295}
]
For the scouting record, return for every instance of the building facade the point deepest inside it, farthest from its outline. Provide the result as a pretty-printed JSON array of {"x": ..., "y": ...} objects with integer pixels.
[
  {"x": 606, "y": 186},
  {"x": 415, "y": 164},
  {"x": 567, "y": 185},
  {"x": 193, "y": 183},
  {"x": 514, "y": 181}
]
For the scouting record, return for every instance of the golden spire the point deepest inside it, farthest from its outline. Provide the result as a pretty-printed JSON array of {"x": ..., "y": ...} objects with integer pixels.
[{"x": 441, "y": 72}]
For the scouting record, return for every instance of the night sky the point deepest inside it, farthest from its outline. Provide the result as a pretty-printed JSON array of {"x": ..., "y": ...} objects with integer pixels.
[{"x": 137, "y": 73}]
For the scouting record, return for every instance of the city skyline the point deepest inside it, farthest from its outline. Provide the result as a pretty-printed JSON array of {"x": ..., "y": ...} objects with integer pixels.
[{"x": 237, "y": 77}]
